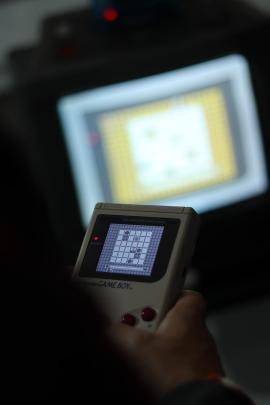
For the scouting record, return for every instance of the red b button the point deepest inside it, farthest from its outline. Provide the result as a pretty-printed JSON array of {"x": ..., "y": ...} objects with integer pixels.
[
  {"x": 148, "y": 314},
  {"x": 128, "y": 319}
]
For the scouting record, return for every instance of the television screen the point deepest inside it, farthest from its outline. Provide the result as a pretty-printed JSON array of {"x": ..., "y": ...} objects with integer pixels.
[{"x": 186, "y": 137}]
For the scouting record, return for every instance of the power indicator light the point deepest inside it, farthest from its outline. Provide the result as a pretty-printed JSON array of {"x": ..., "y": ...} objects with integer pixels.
[
  {"x": 96, "y": 238},
  {"x": 110, "y": 14}
]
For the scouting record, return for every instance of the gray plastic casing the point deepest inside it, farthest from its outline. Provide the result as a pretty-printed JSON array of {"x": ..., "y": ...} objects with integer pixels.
[{"x": 118, "y": 297}]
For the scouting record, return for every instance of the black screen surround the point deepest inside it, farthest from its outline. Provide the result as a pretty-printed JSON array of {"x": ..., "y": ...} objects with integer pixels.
[{"x": 97, "y": 240}]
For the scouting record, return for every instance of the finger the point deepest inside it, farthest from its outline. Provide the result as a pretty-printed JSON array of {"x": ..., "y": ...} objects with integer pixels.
[
  {"x": 126, "y": 336},
  {"x": 190, "y": 305},
  {"x": 189, "y": 311},
  {"x": 201, "y": 303}
]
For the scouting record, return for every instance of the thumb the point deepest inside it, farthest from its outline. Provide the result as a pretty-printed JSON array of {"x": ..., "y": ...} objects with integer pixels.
[{"x": 190, "y": 309}]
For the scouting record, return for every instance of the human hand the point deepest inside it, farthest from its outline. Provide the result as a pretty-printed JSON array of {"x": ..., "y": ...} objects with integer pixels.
[{"x": 182, "y": 348}]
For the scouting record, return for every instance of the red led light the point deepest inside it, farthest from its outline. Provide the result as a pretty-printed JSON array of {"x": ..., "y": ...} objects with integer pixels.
[
  {"x": 110, "y": 14},
  {"x": 67, "y": 52},
  {"x": 93, "y": 139},
  {"x": 96, "y": 238}
]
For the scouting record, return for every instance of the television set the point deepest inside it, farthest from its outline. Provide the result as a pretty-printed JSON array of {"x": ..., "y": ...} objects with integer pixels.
[
  {"x": 165, "y": 116},
  {"x": 187, "y": 137}
]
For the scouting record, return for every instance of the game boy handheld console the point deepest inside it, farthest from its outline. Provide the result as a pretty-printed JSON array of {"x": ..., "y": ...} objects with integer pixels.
[{"x": 133, "y": 259}]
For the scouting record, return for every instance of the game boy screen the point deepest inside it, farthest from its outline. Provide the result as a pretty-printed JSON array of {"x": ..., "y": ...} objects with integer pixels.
[
  {"x": 187, "y": 137},
  {"x": 130, "y": 249}
]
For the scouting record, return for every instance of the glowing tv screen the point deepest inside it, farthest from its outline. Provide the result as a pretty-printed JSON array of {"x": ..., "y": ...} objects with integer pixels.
[{"x": 186, "y": 137}]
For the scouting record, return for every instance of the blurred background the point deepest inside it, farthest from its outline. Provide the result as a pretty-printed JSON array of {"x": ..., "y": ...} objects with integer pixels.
[{"x": 161, "y": 102}]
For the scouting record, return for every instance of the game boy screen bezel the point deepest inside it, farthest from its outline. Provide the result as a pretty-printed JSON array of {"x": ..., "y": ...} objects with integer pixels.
[{"x": 98, "y": 236}]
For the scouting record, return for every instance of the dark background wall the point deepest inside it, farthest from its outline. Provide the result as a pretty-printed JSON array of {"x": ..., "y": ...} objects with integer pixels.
[{"x": 242, "y": 330}]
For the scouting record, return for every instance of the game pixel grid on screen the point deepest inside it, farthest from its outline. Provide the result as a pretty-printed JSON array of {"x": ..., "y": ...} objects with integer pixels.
[{"x": 130, "y": 249}]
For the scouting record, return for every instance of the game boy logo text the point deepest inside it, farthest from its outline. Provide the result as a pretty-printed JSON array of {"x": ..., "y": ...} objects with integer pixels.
[{"x": 114, "y": 284}]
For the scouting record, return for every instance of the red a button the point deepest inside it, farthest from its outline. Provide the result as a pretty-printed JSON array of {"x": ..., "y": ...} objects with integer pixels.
[{"x": 148, "y": 314}]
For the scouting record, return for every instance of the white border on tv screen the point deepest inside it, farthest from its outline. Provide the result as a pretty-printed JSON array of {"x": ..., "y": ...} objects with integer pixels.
[{"x": 232, "y": 68}]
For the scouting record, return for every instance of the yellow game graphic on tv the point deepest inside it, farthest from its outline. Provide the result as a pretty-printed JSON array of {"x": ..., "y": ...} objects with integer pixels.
[{"x": 169, "y": 147}]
